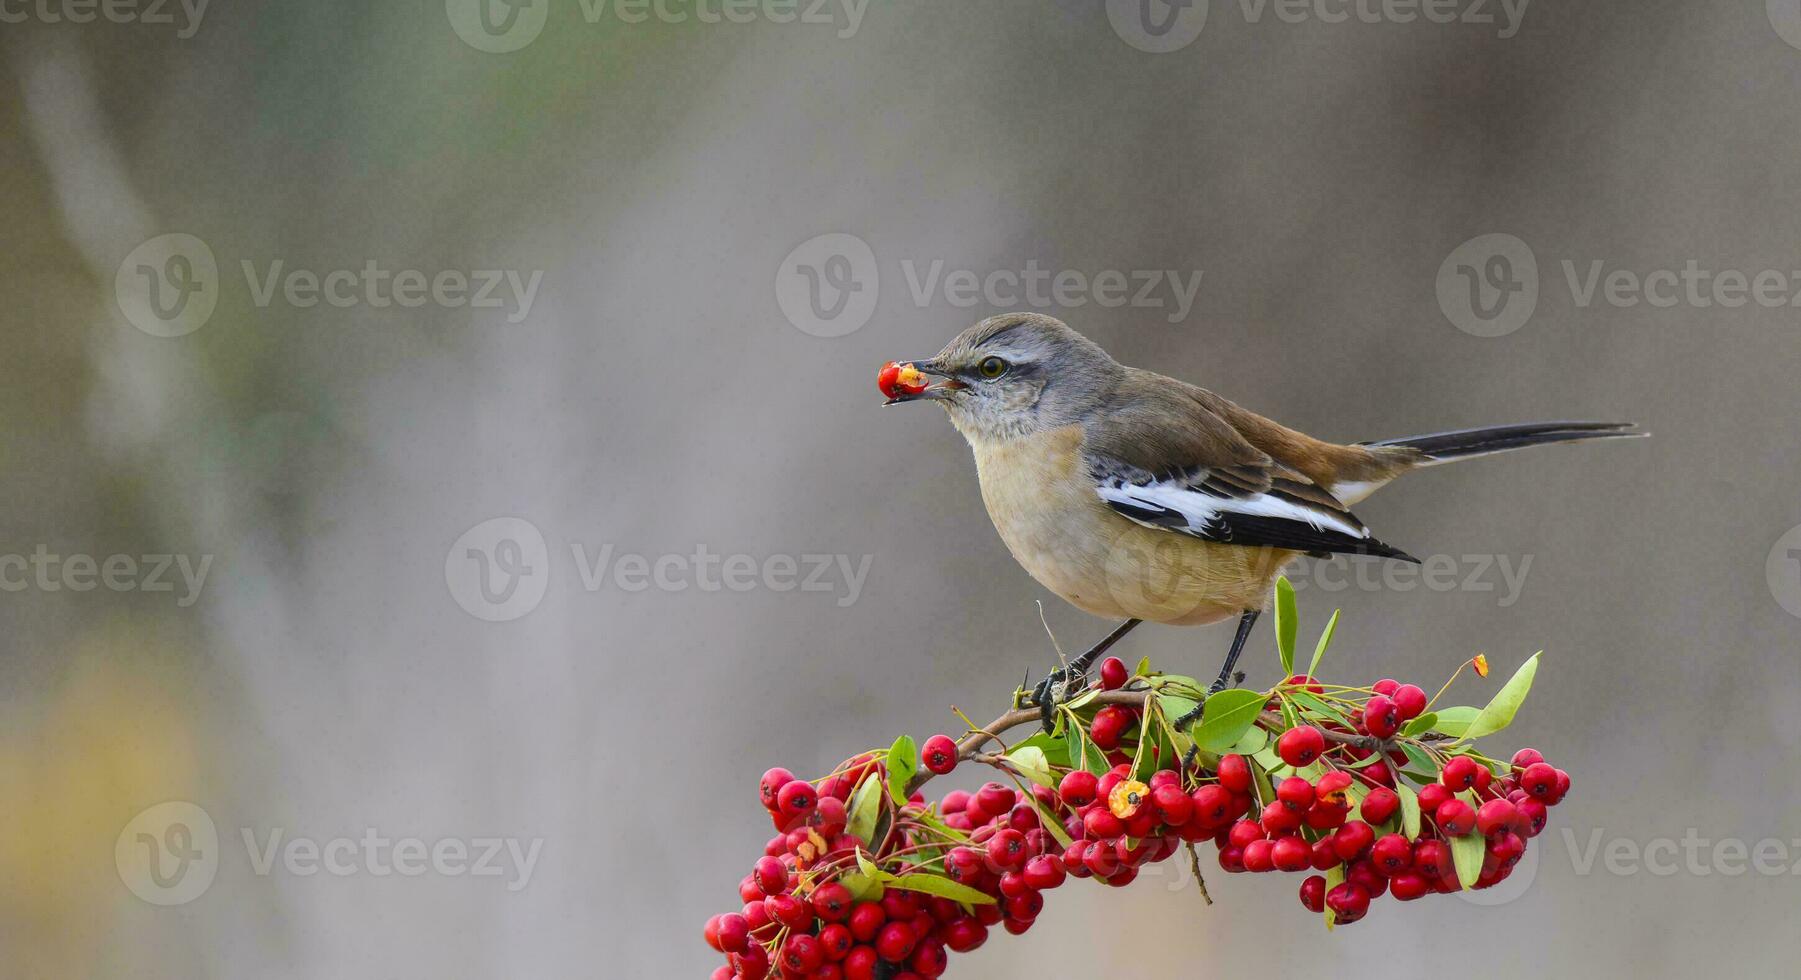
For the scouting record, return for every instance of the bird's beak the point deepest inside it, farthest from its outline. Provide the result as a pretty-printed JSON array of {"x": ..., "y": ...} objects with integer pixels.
[{"x": 914, "y": 381}]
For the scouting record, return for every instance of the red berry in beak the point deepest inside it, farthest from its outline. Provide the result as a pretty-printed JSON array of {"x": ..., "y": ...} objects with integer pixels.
[{"x": 897, "y": 379}]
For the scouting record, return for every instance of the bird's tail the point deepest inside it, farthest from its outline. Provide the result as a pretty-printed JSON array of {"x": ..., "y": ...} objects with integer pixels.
[{"x": 1445, "y": 447}]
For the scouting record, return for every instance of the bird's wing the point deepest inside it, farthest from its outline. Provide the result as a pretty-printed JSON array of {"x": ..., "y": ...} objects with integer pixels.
[{"x": 1160, "y": 457}]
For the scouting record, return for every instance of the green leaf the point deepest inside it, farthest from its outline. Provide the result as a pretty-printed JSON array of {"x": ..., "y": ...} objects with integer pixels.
[
  {"x": 1175, "y": 706},
  {"x": 1506, "y": 702},
  {"x": 865, "y": 809},
  {"x": 1410, "y": 810},
  {"x": 942, "y": 887},
  {"x": 1334, "y": 878},
  {"x": 1285, "y": 624},
  {"x": 1420, "y": 725},
  {"x": 1325, "y": 640},
  {"x": 1466, "y": 852},
  {"x": 1267, "y": 757},
  {"x": 1418, "y": 758},
  {"x": 1455, "y": 721},
  {"x": 1030, "y": 762},
  {"x": 1319, "y": 708},
  {"x": 903, "y": 762},
  {"x": 1084, "y": 753},
  {"x": 1252, "y": 742},
  {"x": 1055, "y": 747},
  {"x": 1144, "y": 667},
  {"x": 1227, "y": 716},
  {"x": 1084, "y": 699},
  {"x": 863, "y": 888},
  {"x": 1051, "y": 822}
]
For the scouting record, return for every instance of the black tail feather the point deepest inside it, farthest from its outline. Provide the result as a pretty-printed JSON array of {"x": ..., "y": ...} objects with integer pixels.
[{"x": 1464, "y": 443}]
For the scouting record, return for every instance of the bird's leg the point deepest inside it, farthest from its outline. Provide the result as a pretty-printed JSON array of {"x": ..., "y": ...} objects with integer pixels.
[
  {"x": 1062, "y": 683},
  {"x": 1245, "y": 622}
]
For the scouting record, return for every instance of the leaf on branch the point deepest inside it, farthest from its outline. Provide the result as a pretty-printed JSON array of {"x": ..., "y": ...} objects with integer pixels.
[
  {"x": 1227, "y": 717},
  {"x": 940, "y": 886},
  {"x": 1285, "y": 624},
  {"x": 1029, "y": 761},
  {"x": 865, "y": 809},
  {"x": 1420, "y": 725},
  {"x": 1455, "y": 721},
  {"x": 1318, "y": 709},
  {"x": 1410, "y": 810},
  {"x": 1506, "y": 702},
  {"x": 1466, "y": 853},
  {"x": 903, "y": 762},
  {"x": 1325, "y": 640}
]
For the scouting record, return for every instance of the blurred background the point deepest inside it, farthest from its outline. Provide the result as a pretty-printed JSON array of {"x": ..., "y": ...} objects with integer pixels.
[{"x": 441, "y": 429}]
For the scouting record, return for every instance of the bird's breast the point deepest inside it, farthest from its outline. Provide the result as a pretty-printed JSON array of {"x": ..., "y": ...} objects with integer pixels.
[{"x": 1043, "y": 503}]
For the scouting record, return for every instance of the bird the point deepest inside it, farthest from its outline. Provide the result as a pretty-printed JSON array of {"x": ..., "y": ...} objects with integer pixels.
[{"x": 1139, "y": 497}]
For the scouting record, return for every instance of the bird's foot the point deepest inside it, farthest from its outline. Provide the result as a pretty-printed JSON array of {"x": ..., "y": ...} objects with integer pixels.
[
  {"x": 1220, "y": 684},
  {"x": 1059, "y": 686}
]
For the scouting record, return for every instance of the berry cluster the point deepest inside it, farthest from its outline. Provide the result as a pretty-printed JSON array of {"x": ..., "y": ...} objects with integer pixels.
[
  {"x": 1368, "y": 790},
  {"x": 1343, "y": 812}
]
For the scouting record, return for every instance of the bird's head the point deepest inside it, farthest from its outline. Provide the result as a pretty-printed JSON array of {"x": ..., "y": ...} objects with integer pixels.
[{"x": 1008, "y": 376}]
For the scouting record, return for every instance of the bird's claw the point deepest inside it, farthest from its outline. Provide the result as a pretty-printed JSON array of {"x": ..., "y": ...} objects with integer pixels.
[{"x": 1058, "y": 686}]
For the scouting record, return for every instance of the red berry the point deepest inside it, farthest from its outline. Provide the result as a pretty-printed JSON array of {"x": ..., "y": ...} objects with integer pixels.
[
  {"x": 836, "y": 940},
  {"x": 1497, "y": 817},
  {"x": 771, "y": 875},
  {"x": 1110, "y": 725},
  {"x": 1386, "y": 686},
  {"x": 994, "y": 799},
  {"x": 1291, "y": 854},
  {"x": 1377, "y": 774},
  {"x": 1539, "y": 781},
  {"x": 1113, "y": 674},
  {"x": 1295, "y": 792},
  {"x": 1007, "y": 850},
  {"x": 1025, "y": 907},
  {"x": 1235, "y": 773},
  {"x": 929, "y": 960},
  {"x": 1455, "y": 818},
  {"x": 1171, "y": 804},
  {"x": 1231, "y": 859},
  {"x": 753, "y": 963},
  {"x": 860, "y": 964},
  {"x": 1244, "y": 832},
  {"x": 1533, "y": 815},
  {"x": 1433, "y": 859},
  {"x": 1044, "y": 872},
  {"x": 895, "y": 941},
  {"x": 1348, "y": 902},
  {"x": 1300, "y": 746},
  {"x": 832, "y": 902},
  {"x": 964, "y": 934},
  {"x": 1432, "y": 796},
  {"x": 771, "y": 784},
  {"x": 1101, "y": 824},
  {"x": 1380, "y": 716},
  {"x": 939, "y": 754},
  {"x": 1322, "y": 855},
  {"x": 1212, "y": 806},
  {"x": 1258, "y": 856},
  {"x": 1078, "y": 788},
  {"x": 711, "y": 934},
  {"x": 1526, "y": 757},
  {"x": 796, "y": 798},
  {"x": 1409, "y": 885},
  {"x": 801, "y": 954},
  {"x": 1351, "y": 840},
  {"x": 1410, "y": 701},
  {"x": 789, "y": 911},
  {"x": 1379, "y": 805},
  {"x": 1460, "y": 773},
  {"x": 1392, "y": 854},
  {"x": 1313, "y": 893},
  {"x": 1278, "y": 816},
  {"x": 866, "y": 920}
]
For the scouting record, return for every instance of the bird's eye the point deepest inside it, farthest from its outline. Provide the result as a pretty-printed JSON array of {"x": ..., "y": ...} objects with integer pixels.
[{"x": 991, "y": 368}]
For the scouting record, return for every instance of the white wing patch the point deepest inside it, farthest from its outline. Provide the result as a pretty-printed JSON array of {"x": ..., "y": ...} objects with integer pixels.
[{"x": 1201, "y": 509}]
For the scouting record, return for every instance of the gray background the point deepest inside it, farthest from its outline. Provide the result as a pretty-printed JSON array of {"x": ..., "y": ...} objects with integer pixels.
[{"x": 656, "y": 398}]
